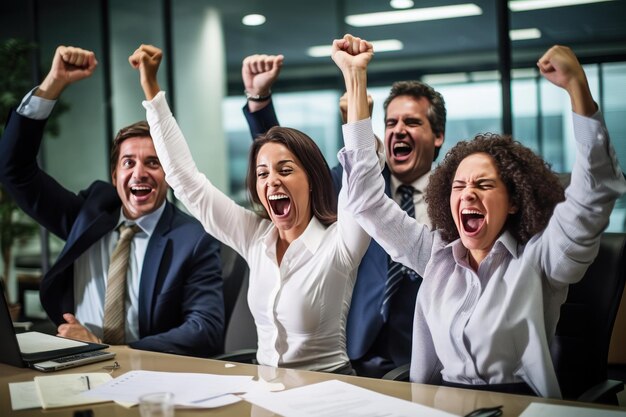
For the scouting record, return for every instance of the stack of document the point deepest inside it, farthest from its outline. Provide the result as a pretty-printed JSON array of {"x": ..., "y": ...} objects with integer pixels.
[{"x": 54, "y": 391}]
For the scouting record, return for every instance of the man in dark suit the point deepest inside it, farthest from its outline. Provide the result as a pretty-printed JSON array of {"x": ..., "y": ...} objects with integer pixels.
[
  {"x": 380, "y": 321},
  {"x": 170, "y": 296}
]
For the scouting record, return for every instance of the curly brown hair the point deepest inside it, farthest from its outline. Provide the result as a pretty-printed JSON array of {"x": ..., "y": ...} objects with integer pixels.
[{"x": 532, "y": 185}]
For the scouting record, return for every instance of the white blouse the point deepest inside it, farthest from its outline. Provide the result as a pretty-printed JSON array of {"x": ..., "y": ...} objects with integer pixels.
[
  {"x": 300, "y": 306},
  {"x": 494, "y": 325}
]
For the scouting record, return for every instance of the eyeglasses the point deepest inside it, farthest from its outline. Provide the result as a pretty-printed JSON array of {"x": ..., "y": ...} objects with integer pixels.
[
  {"x": 112, "y": 368},
  {"x": 486, "y": 412}
]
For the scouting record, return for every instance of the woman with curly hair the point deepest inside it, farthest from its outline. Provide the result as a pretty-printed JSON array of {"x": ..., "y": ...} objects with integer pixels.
[
  {"x": 506, "y": 241},
  {"x": 534, "y": 189}
]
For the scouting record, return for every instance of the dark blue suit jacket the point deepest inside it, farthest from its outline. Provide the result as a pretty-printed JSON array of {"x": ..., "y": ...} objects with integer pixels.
[
  {"x": 366, "y": 331},
  {"x": 181, "y": 307}
]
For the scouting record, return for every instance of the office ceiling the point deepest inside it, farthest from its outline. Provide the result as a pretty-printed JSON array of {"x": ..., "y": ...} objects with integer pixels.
[{"x": 593, "y": 30}]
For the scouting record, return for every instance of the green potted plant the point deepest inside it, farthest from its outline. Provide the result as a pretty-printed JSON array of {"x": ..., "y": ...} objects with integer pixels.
[{"x": 15, "y": 80}]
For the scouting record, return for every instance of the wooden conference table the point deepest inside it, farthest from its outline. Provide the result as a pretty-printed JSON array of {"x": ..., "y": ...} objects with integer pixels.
[{"x": 456, "y": 401}]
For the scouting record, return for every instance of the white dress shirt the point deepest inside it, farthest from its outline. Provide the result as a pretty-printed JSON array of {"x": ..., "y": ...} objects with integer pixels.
[
  {"x": 300, "y": 306},
  {"x": 495, "y": 325},
  {"x": 91, "y": 271}
]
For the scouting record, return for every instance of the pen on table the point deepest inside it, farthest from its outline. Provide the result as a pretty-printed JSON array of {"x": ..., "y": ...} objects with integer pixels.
[{"x": 87, "y": 381}]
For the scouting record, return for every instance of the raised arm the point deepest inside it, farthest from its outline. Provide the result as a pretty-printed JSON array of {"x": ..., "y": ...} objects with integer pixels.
[
  {"x": 69, "y": 65},
  {"x": 219, "y": 215},
  {"x": 560, "y": 66},
  {"x": 352, "y": 54},
  {"x": 146, "y": 59},
  {"x": 573, "y": 233},
  {"x": 397, "y": 233},
  {"x": 259, "y": 72},
  {"x": 44, "y": 199}
]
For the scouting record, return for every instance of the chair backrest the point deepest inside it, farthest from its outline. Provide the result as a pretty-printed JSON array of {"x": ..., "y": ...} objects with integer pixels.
[
  {"x": 234, "y": 271},
  {"x": 240, "y": 330},
  {"x": 581, "y": 344}
]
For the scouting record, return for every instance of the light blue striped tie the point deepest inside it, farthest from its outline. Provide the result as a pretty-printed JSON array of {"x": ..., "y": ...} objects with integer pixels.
[{"x": 395, "y": 270}]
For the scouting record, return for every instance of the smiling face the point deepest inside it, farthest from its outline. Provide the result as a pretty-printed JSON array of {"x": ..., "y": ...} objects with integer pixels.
[
  {"x": 282, "y": 186},
  {"x": 480, "y": 204},
  {"x": 139, "y": 177},
  {"x": 409, "y": 139}
]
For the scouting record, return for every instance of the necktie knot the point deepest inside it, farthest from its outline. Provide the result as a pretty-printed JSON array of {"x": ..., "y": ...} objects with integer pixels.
[
  {"x": 406, "y": 199},
  {"x": 406, "y": 191},
  {"x": 128, "y": 231}
]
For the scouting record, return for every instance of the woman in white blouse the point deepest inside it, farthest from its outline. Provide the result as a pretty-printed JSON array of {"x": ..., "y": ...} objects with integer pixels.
[
  {"x": 303, "y": 253},
  {"x": 506, "y": 243}
]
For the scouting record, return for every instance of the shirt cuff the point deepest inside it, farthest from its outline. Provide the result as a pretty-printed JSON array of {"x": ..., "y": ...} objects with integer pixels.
[
  {"x": 359, "y": 135},
  {"x": 34, "y": 107},
  {"x": 589, "y": 130},
  {"x": 157, "y": 108}
]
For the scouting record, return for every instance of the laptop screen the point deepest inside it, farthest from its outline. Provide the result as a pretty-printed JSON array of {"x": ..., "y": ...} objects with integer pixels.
[{"x": 9, "y": 349}]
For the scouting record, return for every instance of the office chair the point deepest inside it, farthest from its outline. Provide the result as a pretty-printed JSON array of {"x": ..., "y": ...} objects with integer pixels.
[
  {"x": 234, "y": 272},
  {"x": 240, "y": 335},
  {"x": 401, "y": 373},
  {"x": 581, "y": 344}
]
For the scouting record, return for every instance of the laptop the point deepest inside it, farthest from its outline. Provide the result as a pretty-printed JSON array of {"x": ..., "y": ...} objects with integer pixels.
[{"x": 42, "y": 351}]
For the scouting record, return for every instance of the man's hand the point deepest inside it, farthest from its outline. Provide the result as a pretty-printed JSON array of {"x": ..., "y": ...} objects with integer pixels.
[
  {"x": 147, "y": 59},
  {"x": 259, "y": 72},
  {"x": 343, "y": 106},
  {"x": 72, "y": 329},
  {"x": 560, "y": 66},
  {"x": 69, "y": 65}
]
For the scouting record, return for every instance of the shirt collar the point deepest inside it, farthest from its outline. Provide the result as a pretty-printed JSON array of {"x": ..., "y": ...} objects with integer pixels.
[
  {"x": 419, "y": 184},
  {"x": 506, "y": 241},
  {"x": 146, "y": 223},
  {"x": 311, "y": 238}
]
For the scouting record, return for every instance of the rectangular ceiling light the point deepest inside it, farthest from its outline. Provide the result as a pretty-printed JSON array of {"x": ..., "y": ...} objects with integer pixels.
[
  {"x": 524, "y": 34},
  {"x": 385, "y": 45},
  {"x": 413, "y": 15},
  {"x": 524, "y": 5}
]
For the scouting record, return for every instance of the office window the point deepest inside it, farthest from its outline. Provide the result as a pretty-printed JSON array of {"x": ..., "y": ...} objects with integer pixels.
[
  {"x": 314, "y": 113},
  {"x": 613, "y": 107}
]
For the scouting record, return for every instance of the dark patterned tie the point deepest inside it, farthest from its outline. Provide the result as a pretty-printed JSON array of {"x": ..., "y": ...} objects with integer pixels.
[
  {"x": 115, "y": 298},
  {"x": 396, "y": 271}
]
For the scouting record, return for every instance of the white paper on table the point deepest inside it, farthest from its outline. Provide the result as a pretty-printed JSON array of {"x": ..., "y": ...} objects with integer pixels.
[
  {"x": 24, "y": 395},
  {"x": 338, "y": 399},
  {"x": 189, "y": 389},
  {"x": 551, "y": 410}
]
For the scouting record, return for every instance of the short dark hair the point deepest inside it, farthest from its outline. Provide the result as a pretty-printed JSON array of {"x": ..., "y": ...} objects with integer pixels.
[
  {"x": 139, "y": 129},
  {"x": 532, "y": 185},
  {"x": 417, "y": 89},
  {"x": 323, "y": 199}
]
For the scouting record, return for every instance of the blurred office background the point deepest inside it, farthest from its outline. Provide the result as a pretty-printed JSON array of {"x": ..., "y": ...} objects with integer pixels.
[{"x": 482, "y": 61}]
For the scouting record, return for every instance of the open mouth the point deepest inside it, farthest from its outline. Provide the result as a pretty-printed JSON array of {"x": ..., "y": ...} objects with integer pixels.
[
  {"x": 472, "y": 220},
  {"x": 401, "y": 150},
  {"x": 140, "y": 190},
  {"x": 280, "y": 204}
]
